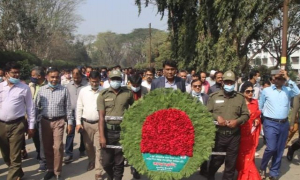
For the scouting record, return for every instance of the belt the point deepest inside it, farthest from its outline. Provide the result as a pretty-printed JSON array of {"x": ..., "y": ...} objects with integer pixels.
[
  {"x": 276, "y": 120},
  {"x": 88, "y": 121},
  {"x": 113, "y": 127},
  {"x": 228, "y": 133},
  {"x": 53, "y": 118},
  {"x": 13, "y": 121}
]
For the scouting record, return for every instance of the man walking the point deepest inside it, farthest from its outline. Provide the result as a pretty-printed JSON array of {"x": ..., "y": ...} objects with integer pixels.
[
  {"x": 74, "y": 87},
  {"x": 229, "y": 110},
  {"x": 112, "y": 102},
  {"x": 54, "y": 106},
  {"x": 15, "y": 102},
  {"x": 86, "y": 112},
  {"x": 275, "y": 104}
]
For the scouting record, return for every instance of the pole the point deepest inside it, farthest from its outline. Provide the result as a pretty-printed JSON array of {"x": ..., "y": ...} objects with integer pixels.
[
  {"x": 284, "y": 33},
  {"x": 150, "y": 44}
]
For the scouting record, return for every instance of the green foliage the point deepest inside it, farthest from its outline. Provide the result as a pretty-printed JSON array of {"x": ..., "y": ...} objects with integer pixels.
[
  {"x": 163, "y": 99},
  {"x": 25, "y": 69},
  {"x": 7, "y": 56},
  {"x": 214, "y": 34}
]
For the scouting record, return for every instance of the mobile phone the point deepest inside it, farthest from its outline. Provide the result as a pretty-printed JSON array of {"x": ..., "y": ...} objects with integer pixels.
[{"x": 274, "y": 72}]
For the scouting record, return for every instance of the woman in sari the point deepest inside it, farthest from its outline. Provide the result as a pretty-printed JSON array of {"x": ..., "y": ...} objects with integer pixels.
[{"x": 249, "y": 137}]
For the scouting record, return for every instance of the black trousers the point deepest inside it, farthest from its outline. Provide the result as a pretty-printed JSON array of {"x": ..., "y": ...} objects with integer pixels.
[
  {"x": 230, "y": 145},
  {"x": 113, "y": 159}
]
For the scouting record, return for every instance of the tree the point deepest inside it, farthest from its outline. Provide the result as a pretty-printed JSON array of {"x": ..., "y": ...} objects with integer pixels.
[{"x": 215, "y": 34}]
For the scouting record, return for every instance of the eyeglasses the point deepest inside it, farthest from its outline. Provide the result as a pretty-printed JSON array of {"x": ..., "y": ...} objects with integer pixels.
[
  {"x": 249, "y": 91},
  {"x": 197, "y": 86}
]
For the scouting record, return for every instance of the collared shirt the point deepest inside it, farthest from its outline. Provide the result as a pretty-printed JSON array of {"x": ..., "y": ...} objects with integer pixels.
[
  {"x": 199, "y": 97},
  {"x": 74, "y": 90},
  {"x": 114, "y": 104},
  {"x": 87, "y": 104},
  {"x": 15, "y": 102},
  {"x": 170, "y": 85},
  {"x": 275, "y": 103},
  {"x": 216, "y": 87},
  {"x": 54, "y": 102},
  {"x": 36, "y": 87}
]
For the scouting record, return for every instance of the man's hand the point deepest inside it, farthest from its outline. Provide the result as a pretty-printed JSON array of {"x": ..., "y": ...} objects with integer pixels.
[
  {"x": 102, "y": 142},
  {"x": 78, "y": 127},
  {"x": 69, "y": 129},
  {"x": 291, "y": 128},
  {"x": 284, "y": 74},
  {"x": 232, "y": 123},
  {"x": 221, "y": 121},
  {"x": 256, "y": 122},
  {"x": 30, "y": 133}
]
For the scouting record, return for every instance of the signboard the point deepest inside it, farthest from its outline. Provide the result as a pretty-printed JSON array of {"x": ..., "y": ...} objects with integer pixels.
[{"x": 166, "y": 163}]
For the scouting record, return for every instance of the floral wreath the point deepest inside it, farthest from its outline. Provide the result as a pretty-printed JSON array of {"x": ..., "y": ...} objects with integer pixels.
[{"x": 167, "y": 122}]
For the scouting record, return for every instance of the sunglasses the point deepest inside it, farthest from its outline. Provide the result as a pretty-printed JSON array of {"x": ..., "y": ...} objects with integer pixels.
[
  {"x": 249, "y": 91},
  {"x": 195, "y": 86}
]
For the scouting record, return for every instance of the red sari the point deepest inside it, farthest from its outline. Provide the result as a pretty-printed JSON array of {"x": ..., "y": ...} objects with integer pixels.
[{"x": 246, "y": 162}]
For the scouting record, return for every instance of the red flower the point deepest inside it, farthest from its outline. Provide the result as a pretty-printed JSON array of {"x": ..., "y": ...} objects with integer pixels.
[{"x": 168, "y": 131}]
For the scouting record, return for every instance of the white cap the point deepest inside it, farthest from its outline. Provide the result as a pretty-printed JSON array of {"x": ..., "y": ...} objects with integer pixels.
[{"x": 213, "y": 72}]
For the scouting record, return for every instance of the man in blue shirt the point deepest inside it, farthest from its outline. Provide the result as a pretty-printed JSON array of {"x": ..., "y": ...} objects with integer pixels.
[{"x": 275, "y": 104}]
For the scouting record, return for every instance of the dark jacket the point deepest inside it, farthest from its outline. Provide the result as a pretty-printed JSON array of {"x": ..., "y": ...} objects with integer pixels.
[{"x": 160, "y": 83}]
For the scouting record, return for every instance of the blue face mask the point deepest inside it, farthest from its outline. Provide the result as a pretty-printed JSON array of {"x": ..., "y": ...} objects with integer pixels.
[
  {"x": 228, "y": 88},
  {"x": 52, "y": 86},
  {"x": 13, "y": 80},
  {"x": 115, "y": 84},
  {"x": 1, "y": 79},
  {"x": 34, "y": 80},
  {"x": 135, "y": 89},
  {"x": 195, "y": 93}
]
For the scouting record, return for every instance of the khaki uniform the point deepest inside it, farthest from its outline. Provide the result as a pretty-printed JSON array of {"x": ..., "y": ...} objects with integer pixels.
[
  {"x": 232, "y": 108},
  {"x": 113, "y": 105}
]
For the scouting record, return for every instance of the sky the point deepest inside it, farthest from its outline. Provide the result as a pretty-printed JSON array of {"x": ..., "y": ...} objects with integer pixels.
[{"x": 119, "y": 16}]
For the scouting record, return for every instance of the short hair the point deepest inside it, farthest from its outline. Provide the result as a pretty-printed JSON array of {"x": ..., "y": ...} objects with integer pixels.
[
  {"x": 103, "y": 67},
  {"x": 160, "y": 70},
  {"x": 67, "y": 71},
  {"x": 170, "y": 63},
  {"x": 117, "y": 66},
  {"x": 195, "y": 80},
  {"x": 218, "y": 72},
  {"x": 95, "y": 74},
  {"x": 245, "y": 86},
  {"x": 110, "y": 68},
  {"x": 253, "y": 73},
  {"x": 184, "y": 71},
  {"x": 52, "y": 70},
  {"x": 267, "y": 82},
  {"x": 39, "y": 71},
  {"x": 12, "y": 65},
  {"x": 151, "y": 69},
  {"x": 135, "y": 79},
  {"x": 78, "y": 69},
  {"x": 196, "y": 75}
]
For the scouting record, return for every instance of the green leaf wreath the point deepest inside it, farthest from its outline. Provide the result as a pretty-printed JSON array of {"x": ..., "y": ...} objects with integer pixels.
[{"x": 158, "y": 99}]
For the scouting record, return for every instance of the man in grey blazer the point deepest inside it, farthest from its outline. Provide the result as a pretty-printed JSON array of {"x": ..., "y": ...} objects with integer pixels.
[{"x": 169, "y": 80}]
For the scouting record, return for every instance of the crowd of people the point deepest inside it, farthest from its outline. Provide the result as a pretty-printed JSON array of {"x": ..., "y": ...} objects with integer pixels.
[{"x": 92, "y": 101}]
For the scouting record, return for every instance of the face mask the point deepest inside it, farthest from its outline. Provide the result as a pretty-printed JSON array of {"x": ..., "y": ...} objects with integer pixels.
[
  {"x": 203, "y": 90},
  {"x": 68, "y": 76},
  {"x": 95, "y": 88},
  {"x": 195, "y": 93},
  {"x": 1, "y": 79},
  {"x": 258, "y": 79},
  {"x": 115, "y": 84},
  {"x": 13, "y": 80},
  {"x": 34, "y": 80},
  {"x": 135, "y": 89},
  {"x": 228, "y": 88},
  {"x": 52, "y": 86}
]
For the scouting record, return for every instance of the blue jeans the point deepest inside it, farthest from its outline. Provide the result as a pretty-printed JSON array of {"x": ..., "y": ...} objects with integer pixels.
[
  {"x": 70, "y": 140},
  {"x": 276, "y": 135}
]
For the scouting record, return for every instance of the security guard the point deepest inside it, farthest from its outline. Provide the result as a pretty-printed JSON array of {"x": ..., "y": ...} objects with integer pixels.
[
  {"x": 229, "y": 110},
  {"x": 112, "y": 101}
]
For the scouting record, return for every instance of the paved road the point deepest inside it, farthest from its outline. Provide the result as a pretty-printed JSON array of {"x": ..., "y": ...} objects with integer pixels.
[{"x": 77, "y": 169}]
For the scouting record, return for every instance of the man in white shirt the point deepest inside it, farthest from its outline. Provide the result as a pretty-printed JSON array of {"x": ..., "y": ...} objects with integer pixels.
[
  {"x": 149, "y": 77},
  {"x": 86, "y": 110},
  {"x": 183, "y": 75}
]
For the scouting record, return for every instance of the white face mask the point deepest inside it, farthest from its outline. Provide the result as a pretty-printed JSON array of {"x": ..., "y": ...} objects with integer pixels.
[
  {"x": 202, "y": 90},
  {"x": 258, "y": 79},
  {"x": 135, "y": 89}
]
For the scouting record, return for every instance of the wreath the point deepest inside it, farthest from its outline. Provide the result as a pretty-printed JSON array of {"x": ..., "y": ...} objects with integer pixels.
[{"x": 170, "y": 125}]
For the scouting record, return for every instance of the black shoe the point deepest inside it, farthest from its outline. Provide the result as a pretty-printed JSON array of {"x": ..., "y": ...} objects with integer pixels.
[
  {"x": 24, "y": 154},
  {"x": 82, "y": 154},
  {"x": 262, "y": 174},
  {"x": 135, "y": 174},
  {"x": 203, "y": 173},
  {"x": 273, "y": 178},
  {"x": 290, "y": 154},
  {"x": 68, "y": 159},
  {"x": 48, "y": 176}
]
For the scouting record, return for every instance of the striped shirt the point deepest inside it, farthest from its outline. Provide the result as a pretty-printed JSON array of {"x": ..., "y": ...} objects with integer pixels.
[{"x": 53, "y": 103}]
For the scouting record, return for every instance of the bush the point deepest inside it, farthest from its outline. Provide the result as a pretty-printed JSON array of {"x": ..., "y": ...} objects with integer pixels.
[{"x": 7, "y": 56}]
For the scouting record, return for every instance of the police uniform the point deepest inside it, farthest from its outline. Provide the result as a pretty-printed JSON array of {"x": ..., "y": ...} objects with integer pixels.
[
  {"x": 229, "y": 107},
  {"x": 113, "y": 105}
]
